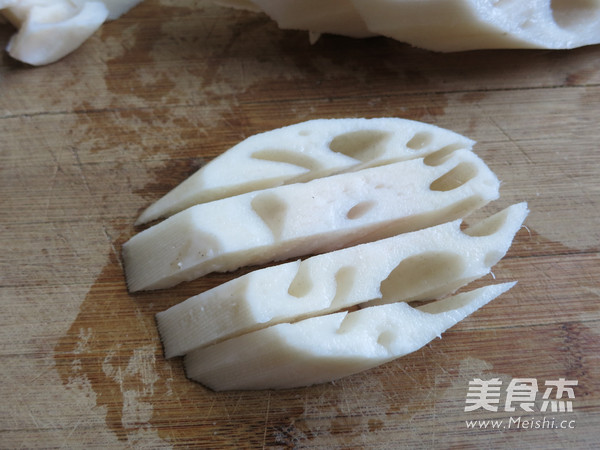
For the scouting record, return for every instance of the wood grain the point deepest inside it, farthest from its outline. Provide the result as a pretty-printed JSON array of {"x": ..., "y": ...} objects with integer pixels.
[{"x": 88, "y": 142}]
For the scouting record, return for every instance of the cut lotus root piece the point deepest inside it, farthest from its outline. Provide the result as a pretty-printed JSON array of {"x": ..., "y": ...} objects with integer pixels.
[
  {"x": 325, "y": 348},
  {"x": 457, "y": 25},
  {"x": 448, "y": 25},
  {"x": 318, "y": 16},
  {"x": 422, "y": 265},
  {"x": 306, "y": 151},
  {"x": 305, "y": 218},
  {"x": 51, "y": 29}
]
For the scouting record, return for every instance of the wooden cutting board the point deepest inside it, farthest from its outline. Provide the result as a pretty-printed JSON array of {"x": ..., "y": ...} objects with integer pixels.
[{"x": 86, "y": 143}]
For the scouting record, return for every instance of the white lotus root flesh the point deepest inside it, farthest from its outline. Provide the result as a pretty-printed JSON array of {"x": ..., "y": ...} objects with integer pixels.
[
  {"x": 376, "y": 208},
  {"x": 444, "y": 25},
  {"x": 48, "y": 30}
]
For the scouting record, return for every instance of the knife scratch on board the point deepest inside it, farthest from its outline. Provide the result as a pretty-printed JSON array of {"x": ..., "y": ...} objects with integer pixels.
[{"x": 266, "y": 420}]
